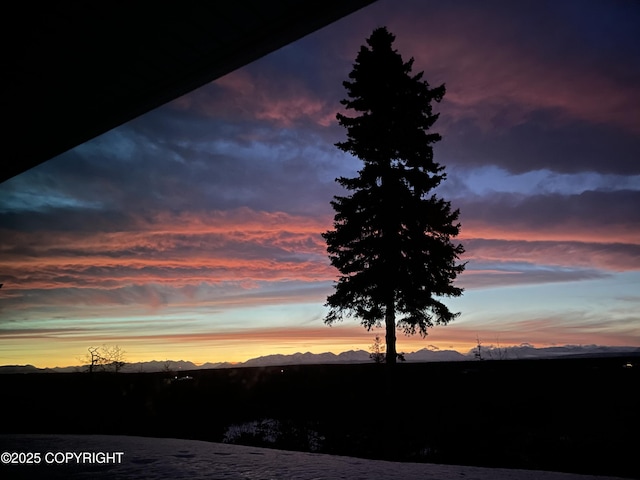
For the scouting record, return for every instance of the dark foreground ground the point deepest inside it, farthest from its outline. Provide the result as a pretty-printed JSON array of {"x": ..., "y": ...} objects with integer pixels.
[{"x": 571, "y": 415}]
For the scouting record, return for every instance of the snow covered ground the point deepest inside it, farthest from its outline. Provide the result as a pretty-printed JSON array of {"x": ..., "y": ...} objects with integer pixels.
[{"x": 61, "y": 456}]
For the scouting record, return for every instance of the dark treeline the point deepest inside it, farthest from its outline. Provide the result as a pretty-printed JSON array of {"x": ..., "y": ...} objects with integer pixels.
[{"x": 577, "y": 415}]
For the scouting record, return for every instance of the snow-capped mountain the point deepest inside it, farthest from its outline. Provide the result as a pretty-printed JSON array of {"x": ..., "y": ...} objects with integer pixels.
[{"x": 519, "y": 352}]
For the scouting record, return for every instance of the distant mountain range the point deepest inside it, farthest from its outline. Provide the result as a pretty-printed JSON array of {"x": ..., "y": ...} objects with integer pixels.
[{"x": 520, "y": 352}]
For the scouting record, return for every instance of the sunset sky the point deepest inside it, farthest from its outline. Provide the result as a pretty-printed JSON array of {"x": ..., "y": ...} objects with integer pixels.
[{"x": 193, "y": 232}]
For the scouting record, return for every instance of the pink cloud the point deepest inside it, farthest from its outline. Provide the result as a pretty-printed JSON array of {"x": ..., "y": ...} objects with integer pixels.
[
  {"x": 240, "y": 247},
  {"x": 165, "y": 259},
  {"x": 495, "y": 78},
  {"x": 580, "y": 230},
  {"x": 283, "y": 101}
]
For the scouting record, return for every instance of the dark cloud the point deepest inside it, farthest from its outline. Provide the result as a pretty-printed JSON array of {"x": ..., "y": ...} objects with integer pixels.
[
  {"x": 543, "y": 142},
  {"x": 61, "y": 219},
  {"x": 137, "y": 169},
  {"x": 598, "y": 211}
]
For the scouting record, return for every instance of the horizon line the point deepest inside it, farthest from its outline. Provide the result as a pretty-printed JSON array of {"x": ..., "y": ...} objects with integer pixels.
[{"x": 470, "y": 354}]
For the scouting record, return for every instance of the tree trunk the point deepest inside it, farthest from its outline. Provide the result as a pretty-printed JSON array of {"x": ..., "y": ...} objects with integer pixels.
[{"x": 390, "y": 337}]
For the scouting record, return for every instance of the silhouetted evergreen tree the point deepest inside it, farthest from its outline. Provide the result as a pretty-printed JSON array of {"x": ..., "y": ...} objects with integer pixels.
[{"x": 391, "y": 238}]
